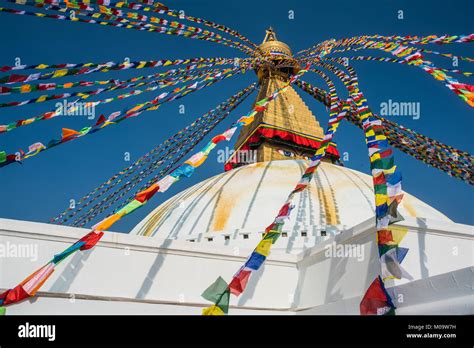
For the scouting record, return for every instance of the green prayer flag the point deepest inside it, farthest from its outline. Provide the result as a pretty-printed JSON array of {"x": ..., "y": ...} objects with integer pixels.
[
  {"x": 215, "y": 290},
  {"x": 223, "y": 302},
  {"x": 3, "y": 156},
  {"x": 384, "y": 248},
  {"x": 133, "y": 205},
  {"x": 383, "y": 163},
  {"x": 380, "y": 189},
  {"x": 218, "y": 293},
  {"x": 85, "y": 130},
  {"x": 273, "y": 236},
  {"x": 3, "y": 310}
]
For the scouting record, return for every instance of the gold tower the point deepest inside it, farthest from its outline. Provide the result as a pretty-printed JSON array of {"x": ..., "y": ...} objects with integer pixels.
[{"x": 287, "y": 129}]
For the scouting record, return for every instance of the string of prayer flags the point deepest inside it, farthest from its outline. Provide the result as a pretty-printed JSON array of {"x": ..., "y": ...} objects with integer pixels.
[
  {"x": 397, "y": 46},
  {"x": 413, "y": 57},
  {"x": 115, "y": 9},
  {"x": 398, "y": 61},
  {"x": 220, "y": 307},
  {"x": 185, "y": 170},
  {"x": 114, "y": 14},
  {"x": 118, "y": 23},
  {"x": 162, "y": 9},
  {"x": 135, "y": 111},
  {"x": 172, "y": 150},
  {"x": 50, "y": 86},
  {"x": 408, "y": 40},
  {"x": 89, "y": 68},
  {"x": 166, "y": 181},
  {"x": 29, "y": 286},
  {"x": 454, "y": 162},
  {"x": 73, "y": 107},
  {"x": 381, "y": 168}
]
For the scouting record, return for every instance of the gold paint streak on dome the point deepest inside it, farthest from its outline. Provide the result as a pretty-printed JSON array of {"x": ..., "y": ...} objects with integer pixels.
[{"x": 408, "y": 207}]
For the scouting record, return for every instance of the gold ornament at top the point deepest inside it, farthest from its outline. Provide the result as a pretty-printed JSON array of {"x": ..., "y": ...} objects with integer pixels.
[{"x": 272, "y": 46}]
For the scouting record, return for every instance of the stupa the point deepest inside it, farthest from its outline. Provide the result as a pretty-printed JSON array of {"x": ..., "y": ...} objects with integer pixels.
[{"x": 163, "y": 265}]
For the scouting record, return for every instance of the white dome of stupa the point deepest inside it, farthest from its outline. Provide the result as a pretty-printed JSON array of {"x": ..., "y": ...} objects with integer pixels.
[{"x": 245, "y": 200}]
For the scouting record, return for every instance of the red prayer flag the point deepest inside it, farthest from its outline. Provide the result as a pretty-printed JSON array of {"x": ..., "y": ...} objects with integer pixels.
[
  {"x": 386, "y": 153},
  {"x": 17, "y": 78},
  {"x": 100, "y": 120},
  {"x": 218, "y": 138},
  {"x": 90, "y": 239},
  {"x": 375, "y": 300},
  {"x": 48, "y": 115},
  {"x": 380, "y": 179},
  {"x": 239, "y": 282},
  {"x": 384, "y": 236},
  {"x": 14, "y": 295},
  {"x": 270, "y": 227},
  {"x": 284, "y": 210},
  {"x": 145, "y": 195}
]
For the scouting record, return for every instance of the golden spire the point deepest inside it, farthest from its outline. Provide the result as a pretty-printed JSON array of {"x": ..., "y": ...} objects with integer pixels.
[
  {"x": 271, "y": 45},
  {"x": 270, "y": 35},
  {"x": 286, "y": 129}
]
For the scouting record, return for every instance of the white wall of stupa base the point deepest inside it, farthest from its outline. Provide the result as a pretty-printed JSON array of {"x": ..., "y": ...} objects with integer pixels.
[{"x": 129, "y": 274}]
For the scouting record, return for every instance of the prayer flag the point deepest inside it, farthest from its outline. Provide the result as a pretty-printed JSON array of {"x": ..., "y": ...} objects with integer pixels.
[
  {"x": 255, "y": 261},
  {"x": 376, "y": 300}
]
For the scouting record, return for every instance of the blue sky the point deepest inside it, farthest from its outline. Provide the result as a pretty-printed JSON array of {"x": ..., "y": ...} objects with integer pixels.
[{"x": 42, "y": 186}]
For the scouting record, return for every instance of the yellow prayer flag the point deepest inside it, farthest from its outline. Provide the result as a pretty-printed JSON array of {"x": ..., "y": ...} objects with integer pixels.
[
  {"x": 381, "y": 199},
  {"x": 246, "y": 120},
  {"x": 29, "y": 120},
  {"x": 135, "y": 108},
  {"x": 264, "y": 246},
  {"x": 213, "y": 310},
  {"x": 41, "y": 98},
  {"x": 60, "y": 73},
  {"x": 390, "y": 171},
  {"x": 398, "y": 233},
  {"x": 370, "y": 133},
  {"x": 320, "y": 151},
  {"x": 374, "y": 157}
]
